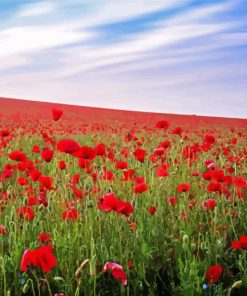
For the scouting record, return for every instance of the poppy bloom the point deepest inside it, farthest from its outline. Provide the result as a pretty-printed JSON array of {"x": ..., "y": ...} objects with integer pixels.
[
  {"x": 213, "y": 274},
  {"x": 22, "y": 181},
  {"x": 17, "y": 156},
  {"x": 140, "y": 187},
  {"x": 71, "y": 214},
  {"x": 132, "y": 226},
  {"x": 128, "y": 175},
  {"x": 140, "y": 154},
  {"x": 117, "y": 272},
  {"x": 130, "y": 264},
  {"x": 124, "y": 208},
  {"x": 121, "y": 165},
  {"x": 172, "y": 201},
  {"x": 162, "y": 172},
  {"x": 41, "y": 257},
  {"x": 177, "y": 131},
  {"x": 209, "y": 204},
  {"x": 152, "y": 210},
  {"x": 46, "y": 182},
  {"x": 56, "y": 114},
  {"x": 68, "y": 146},
  {"x": 164, "y": 124},
  {"x": 4, "y": 133},
  {"x": 35, "y": 174},
  {"x": 85, "y": 152},
  {"x": 62, "y": 165},
  {"x": 3, "y": 230},
  {"x": 210, "y": 139},
  {"x": 108, "y": 202},
  {"x": 36, "y": 149},
  {"x": 159, "y": 151},
  {"x": 240, "y": 182},
  {"x": 241, "y": 243},
  {"x": 47, "y": 154},
  {"x": 183, "y": 187},
  {"x": 44, "y": 238},
  {"x": 100, "y": 149},
  {"x": 25, "y": 213}
]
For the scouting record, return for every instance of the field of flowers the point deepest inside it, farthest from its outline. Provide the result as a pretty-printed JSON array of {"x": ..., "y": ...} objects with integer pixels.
[{"x": 122, "y": 207}]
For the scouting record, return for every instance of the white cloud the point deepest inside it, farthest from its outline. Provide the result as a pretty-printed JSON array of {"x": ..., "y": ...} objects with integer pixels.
[
  {"x": 133, "y": 49},
  {"x": 28, "y": 39},
  {"x": 11, "y": 62},
  {"x": 36, "y": 9},
  {"x": 171, "y": 31}
]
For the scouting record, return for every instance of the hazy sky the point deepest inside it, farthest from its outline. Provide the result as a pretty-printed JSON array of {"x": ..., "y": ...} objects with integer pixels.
[{"x": 170, "y": 56}]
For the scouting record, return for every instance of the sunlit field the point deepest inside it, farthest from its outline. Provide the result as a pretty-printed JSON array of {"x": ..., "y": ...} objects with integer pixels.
[{"x": 102, "y": 202}]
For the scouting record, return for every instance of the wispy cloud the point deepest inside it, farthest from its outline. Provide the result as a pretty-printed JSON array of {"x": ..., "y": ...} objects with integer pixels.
[{"x": 36, "y": 9}]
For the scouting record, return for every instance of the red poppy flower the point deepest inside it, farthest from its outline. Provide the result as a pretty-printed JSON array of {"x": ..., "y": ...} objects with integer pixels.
[
  {"x": 213, "y": 274},
  {"x": 35, "y": 149},
  {"x": 68, "y": 146},
  {"x": 183, "y": 187},
  {"x": 3, "y": 230},
  {"x": 4, "y": 133},
  {"x": 140, "y": 154},
  {"x": 56, "y": 114},
  {"x": 46, "y": 182},
  {"x": 22, "y": 181},
  {"x": 209, "y": 139},
  {"x": 177, "y": 131},
  {"x": 240, "y": 182},
  {"x": 41, "y": 257},
  {"x": 71, "y": 214},
  {"x": 172, "y": 201},
  {"x": 241, "y": 243},
  {"x": 108, "y": 202},
  {"x": 162, "y": 172},
  {"x": 121, "y": 165},
  {"x": 214, "y": 186},
  {"x": 152, "y": 210},
  {"x": 117, "y": 272},
  {"x": 44, "y": 238},
  {"x": 164, "y": 124},
  {"x": 47, "y": 154},
  {"x": 140, "y": 187},
  {"x": 209, "y": 204},
  {"x": 159, "y": 151},
  {"x": 124, "y": 208},
  {"x": 25, "y": 213},
  {"x": 35, "y": 174},
  {"x": 62, "y": 165},
  {"x": 128, "y": 175},
  {"x": 130, "y": 264},
  {"x": 100, "y": 149},
  {"x": 85, "y": 152},
  {"x": 17, "y": 156}
]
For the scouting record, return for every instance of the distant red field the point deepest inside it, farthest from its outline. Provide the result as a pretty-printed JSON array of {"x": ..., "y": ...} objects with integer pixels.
[{"x": 10, "y": 107}]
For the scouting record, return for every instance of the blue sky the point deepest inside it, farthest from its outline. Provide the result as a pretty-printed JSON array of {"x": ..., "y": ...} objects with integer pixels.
[{"x": 169, "y": 56}]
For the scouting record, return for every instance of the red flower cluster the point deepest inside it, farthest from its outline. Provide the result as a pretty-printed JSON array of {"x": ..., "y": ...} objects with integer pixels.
[
  {"x": 164, "y": 124},
  {"x": 183, "y": 187},
  {"x": 42, "y": 257},
  {"x": 109, "y": 202},
  {"x": 241, "y": 243},
  {"x": 117, "y": 272},
  {"x": 71, "y": 214},
  {"x": 213, "y": 274},
  {"x": 56, "y": 114},
  {"x": 25, "y": 213}
]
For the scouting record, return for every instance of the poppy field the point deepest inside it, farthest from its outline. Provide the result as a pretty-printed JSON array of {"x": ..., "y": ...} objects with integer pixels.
[{"x": 103, "y": 202}]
